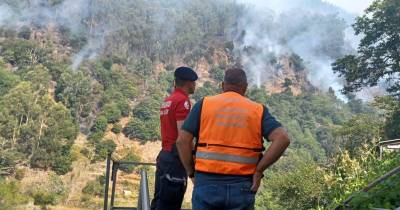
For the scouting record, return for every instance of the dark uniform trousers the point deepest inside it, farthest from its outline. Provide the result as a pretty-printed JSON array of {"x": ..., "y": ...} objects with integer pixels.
[{"x": 170, "y": 182}]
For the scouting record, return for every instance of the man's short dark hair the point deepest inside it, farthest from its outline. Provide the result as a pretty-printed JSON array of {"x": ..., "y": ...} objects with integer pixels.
[
  {"x": 180, "y": 82},
  {"x": 235, "y": 76}
]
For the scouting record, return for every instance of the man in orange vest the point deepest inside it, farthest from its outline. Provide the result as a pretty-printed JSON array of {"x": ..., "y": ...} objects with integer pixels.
[{"x": 228, "y": 162}]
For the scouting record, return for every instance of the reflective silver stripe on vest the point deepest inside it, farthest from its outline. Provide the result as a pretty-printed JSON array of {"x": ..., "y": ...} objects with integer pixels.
[{"x": 225, "y": 157}]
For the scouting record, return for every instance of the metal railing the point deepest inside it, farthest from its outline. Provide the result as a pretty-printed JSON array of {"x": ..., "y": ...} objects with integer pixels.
[
  {"x": 143, "y": 199},
  {"x": 370, "y": 186}
]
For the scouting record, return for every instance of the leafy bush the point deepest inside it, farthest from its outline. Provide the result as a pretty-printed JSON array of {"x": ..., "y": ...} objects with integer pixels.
[
  {"x": 112, "y": 112},
  {"x": 103, "y": 148},
  {"x": 10, "y": 195},
  {"x": 94, "y": 188},
  {"x": 143, "y": 130},
  {"x": 49, "y": 191},
  {"x": 207, "y": 89},
  {"x": 132, "y": 158},
  {"x": 100, "y": 125},
  {"x": 147, "y": 109},
  {"x": 117, "y": 128},
  {"x": 20, "y": 173},
  {"x": 217, "y": 74}
]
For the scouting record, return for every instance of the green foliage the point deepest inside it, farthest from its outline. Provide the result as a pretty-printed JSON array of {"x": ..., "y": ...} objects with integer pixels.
[
  {"x": 208, "y": 89},
  {"x": 7, "y": 81},
  {"x": 144, "y": 67},
  {"x": 360, "y": 131},
  {"x": 36, "y": 126},
  {"x": 145, "y": 123},
  {"x": 20, "y": 173},
  {"x": 304, "y": 115},
  {"x": 103, "y": 148},
  {"x": 147, "y": 109},
  {"x": 100, "y": 125},
  {"x": 350, "y": 175},
  {"x": 143, "y": 130},
  {"x": 50, "y": 191},
  {"x": 117, "y": 128},
  {"x": 10, "y": 194},
  {"x": 301, "y": 187},
  {"x": 23, "y": 53},
  {"x": 75, "y": 92},
  {"x": 217, "y": 74},
  {"x": 132, "y": 157},
  {"x": 257, "y": 94},
  {"x": 377, "y": 56},
  {"x": 94, "y": 187},
  {"x": 62, "y": 163},
  {"x": 392, "y": 108},
  {"x": 112, "y": 112}
]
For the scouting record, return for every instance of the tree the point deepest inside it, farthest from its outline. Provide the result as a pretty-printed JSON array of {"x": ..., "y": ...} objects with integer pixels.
[
  {"x": 208, "y": 89},
  {"x": 112, "y": 112},
  {"x": 359, "y": 132},
  {"x": 295, "y": 182},
  {"x": 378, "y": 55},
  {"x": 75, "y": 92},
  {"x": 36, "y": 127},
  {"x": 7, "y": 81},
  {"x": 217, "y": 74},
  {"x": 103, "y": 148}
]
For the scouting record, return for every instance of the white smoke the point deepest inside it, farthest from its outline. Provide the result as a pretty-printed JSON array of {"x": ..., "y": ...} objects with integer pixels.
[
  {"x": 303, "y": 27},
  {"x": 70, "y": 14},
  {"x": 5, "y": 14}
]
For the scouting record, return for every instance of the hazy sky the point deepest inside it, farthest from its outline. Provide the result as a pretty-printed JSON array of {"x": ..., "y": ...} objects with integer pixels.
[{"x": 353, "y": 6}]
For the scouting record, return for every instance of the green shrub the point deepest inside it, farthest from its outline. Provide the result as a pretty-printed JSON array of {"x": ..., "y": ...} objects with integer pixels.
[
  {"x": 132, "y": 158},
  {"x": 10, "y": 194},
  {"x": 20, "y": 173},
  {"x": 143, "y": 130},
  {"x": 94, "y": 188},
  {"x": 49, "y": 191},
  {"x": 62, "y": 164},
  {"x": 100, "y": 125},
  {"x": 96, "y": 137},
  {"x": 103, "y": 148},
  {"x": 112, "y": 112},
  {"x": 117, "y": 128},
  {"x": 217, "y": 74}
]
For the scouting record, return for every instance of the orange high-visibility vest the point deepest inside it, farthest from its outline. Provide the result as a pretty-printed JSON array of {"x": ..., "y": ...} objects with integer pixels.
[{"x": 230, "y": 137}]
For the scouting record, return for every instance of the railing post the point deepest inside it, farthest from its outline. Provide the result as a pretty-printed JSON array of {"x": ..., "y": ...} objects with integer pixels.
[
  {"x": 107, "y": 181},
  {"x": 143, "y": 200},
  {"x": 114, "y": 182}
]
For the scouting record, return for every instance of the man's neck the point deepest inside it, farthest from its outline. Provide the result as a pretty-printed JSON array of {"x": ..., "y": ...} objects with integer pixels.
[
  {"x": 183, "y": 89},
  {"x": 232, "y": 90}
]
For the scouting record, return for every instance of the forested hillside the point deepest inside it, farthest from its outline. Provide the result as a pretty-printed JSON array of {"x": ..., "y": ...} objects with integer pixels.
[{"x": 80, "y": 79}]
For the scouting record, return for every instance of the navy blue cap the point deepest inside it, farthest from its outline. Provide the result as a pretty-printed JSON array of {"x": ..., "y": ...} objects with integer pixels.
[{"x": 186, "y": 73}]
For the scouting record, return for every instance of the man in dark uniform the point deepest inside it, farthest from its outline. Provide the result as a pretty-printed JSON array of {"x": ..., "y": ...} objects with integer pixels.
[{"x": 171, "y": 178}]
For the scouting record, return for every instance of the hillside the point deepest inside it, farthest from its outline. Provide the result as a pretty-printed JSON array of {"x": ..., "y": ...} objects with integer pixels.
[{"x": 80, "y": 79}]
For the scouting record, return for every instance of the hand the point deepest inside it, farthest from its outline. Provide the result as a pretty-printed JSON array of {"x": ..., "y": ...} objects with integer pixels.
[{"x": 257, "y": 176}]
